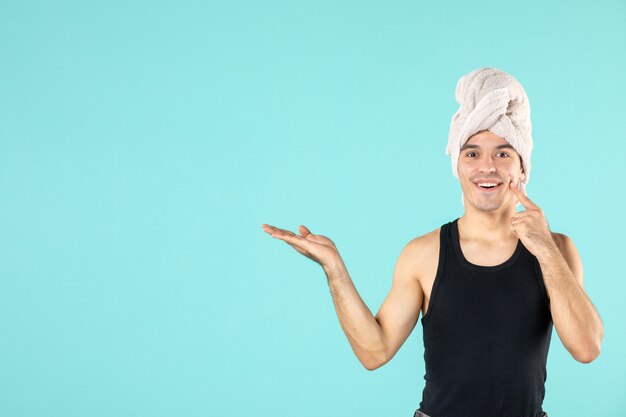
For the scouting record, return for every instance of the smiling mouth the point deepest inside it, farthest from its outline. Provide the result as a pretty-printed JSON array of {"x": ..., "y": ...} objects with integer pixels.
[{"x": 488, "y": 189}]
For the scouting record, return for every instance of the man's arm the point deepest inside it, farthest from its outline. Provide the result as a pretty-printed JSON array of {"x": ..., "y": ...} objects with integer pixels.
[
  {"x": 375, "y": 340},
  {"x": 575, "y": 318}
]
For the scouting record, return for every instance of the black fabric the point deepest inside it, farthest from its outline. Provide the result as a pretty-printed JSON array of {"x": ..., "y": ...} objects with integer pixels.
[{"x": 487, "y": 334}]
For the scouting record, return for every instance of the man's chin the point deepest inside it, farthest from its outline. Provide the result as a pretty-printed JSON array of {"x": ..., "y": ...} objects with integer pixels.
[
  {"x": 494, "y": 205},
  {"x": 488, "y": 206}
]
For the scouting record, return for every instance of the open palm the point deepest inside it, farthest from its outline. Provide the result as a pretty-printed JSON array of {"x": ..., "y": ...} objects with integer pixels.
[{"x": 316, "y": 247}]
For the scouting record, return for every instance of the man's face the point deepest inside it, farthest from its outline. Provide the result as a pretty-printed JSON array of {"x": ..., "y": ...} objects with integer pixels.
[{"x": 488, "y": 158}]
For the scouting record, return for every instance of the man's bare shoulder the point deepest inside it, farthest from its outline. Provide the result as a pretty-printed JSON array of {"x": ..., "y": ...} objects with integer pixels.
[
  {"x": 422, "y": 249},
  {"x": 557, "y": 237},
  {"x": 561, "y": 241},
  {"x": 425, "y": 241},
  {"x": 570, "y": 254}
]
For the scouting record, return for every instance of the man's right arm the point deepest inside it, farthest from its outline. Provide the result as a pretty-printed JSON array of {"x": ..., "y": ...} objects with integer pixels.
[{"x": 376, "y": 339}]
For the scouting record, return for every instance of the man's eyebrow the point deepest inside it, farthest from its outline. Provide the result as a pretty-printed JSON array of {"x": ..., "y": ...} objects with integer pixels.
[{"x": 472, "y": 146}]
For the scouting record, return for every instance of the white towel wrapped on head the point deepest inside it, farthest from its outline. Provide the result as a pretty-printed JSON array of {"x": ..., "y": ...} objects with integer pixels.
[{"x": 490, "y": 99}]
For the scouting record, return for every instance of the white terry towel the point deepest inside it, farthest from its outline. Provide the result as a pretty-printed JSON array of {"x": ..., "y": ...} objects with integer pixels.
[{"x": 490, "y": 99}]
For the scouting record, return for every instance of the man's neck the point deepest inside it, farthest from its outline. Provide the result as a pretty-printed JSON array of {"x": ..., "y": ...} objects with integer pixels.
[{"x": 488, "y": 227}]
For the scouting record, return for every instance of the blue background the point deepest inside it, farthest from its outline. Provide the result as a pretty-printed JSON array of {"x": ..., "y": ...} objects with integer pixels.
[{"x": 143, "y": 144}]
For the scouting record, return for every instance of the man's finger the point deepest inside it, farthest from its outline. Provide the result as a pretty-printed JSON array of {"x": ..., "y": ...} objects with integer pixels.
[
  {"x": 293, "y": 239},
  {"x": 272, "y": 230},
  {"x": 526, "y": 202}
]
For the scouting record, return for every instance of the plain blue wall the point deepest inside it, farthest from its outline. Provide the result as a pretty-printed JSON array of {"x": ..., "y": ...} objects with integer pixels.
[{"x": 143, "y": 144}]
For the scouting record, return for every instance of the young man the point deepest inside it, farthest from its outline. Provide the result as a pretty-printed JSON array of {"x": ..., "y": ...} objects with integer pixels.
[{"x": 490, "y": 285}]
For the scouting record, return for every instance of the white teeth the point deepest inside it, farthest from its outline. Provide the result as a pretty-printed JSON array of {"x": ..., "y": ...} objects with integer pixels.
[{"x": 487, "y": 184}]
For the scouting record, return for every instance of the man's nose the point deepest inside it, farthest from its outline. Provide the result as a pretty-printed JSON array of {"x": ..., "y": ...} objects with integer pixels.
[{"x": 487, "y": 166}]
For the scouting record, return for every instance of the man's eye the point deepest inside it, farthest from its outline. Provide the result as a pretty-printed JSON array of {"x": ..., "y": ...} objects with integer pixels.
[{"x": 499, "y": 153}]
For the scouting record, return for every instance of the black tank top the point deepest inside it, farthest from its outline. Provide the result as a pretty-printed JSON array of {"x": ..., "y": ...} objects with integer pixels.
[{"x": 486, "y": 335}]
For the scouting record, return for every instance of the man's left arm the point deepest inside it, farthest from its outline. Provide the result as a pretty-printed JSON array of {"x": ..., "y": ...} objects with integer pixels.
[{"x": 574, "y": 316}]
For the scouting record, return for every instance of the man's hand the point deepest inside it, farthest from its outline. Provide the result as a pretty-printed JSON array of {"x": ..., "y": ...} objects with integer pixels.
[
  {"x": 531, "y": 226},
  {"x": 316, "y": 247}
]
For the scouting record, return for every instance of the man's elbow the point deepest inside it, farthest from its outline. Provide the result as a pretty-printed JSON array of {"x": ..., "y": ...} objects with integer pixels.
[
  {"x": 373, "y": 365},
  {"x": 589, "y": 356},
  {"x": 374, "y": 362}
]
